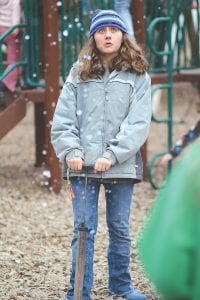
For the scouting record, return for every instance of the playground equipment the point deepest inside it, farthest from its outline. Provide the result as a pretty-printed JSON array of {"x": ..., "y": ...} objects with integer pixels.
[
  {"x": 40, "y": 68},
  {"x": 173, "y": 40},
  {"x": 53, "y": 33},
  {"x": 169, "y": 244}
]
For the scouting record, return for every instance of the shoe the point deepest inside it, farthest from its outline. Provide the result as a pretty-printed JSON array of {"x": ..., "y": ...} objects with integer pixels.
[{"x": 135, "y": 295}]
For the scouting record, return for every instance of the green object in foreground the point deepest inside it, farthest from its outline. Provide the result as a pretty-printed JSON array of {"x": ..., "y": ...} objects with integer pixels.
[{"x": 169, "y": 245}]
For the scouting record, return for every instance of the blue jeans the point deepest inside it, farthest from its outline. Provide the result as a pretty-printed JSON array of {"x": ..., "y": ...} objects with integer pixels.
[
  {"x": 122, "y": 7},
  {"x": 85, "y": 208}
]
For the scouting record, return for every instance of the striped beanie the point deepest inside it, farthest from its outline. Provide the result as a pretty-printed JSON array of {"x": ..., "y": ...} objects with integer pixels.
[{"x": 104, "y": 18}]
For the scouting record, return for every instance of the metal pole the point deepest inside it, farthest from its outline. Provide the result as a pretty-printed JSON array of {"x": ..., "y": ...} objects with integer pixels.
[
  {"x": 51, "y": 71},
  {"x": 81, "y": 247},
  {"x": 170, "y": 78},
  {"x": 80, "y": 262}
]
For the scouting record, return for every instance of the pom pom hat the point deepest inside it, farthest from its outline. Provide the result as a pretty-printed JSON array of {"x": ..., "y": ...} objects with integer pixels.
[{"x": 106, "y": 18}]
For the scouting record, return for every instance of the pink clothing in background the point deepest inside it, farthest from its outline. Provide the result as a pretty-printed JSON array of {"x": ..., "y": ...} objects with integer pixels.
[
  {"x": 10, "y": 13},
  {"x": 13, "y": 55}
]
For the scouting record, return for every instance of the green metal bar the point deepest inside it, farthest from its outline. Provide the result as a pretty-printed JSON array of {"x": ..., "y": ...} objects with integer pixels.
[
  {"x": 32, "y": 38},
  {"x": 150, "y": 168},
  {"x": 186, "y": 48},
  {"x": 81, "y": 27},
  {"x": 69, "y": 39},
  {"x": 64, "y": 34},
  {"x": 26, "y": 37},
  {"x": 192, "y": 40},
  {"x": 31, "y": 43},
  {"x": 168, "y": 86},
  {"x": 158, "y": 70},
  {"x": 154, "y": 90},
  {"x": 14, "y": 66},
  {"x": 11, "y": 68},
  {"x": 150, "y": 31},
  {"x": 7, "y": 32},
  {"x": 170, "y": 79},
  {"x": 198, "y": 29},
  {"x": 36, "y": 74},
  {"x": 75, "y": 33},
  {"x": 110, "y": 4}
]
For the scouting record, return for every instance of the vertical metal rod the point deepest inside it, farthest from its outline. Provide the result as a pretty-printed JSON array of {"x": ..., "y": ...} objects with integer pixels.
[
  {"x": 81, "y": 249},
  {"x": 80, "y": 263},
  {"x": 170, "y": 77}
]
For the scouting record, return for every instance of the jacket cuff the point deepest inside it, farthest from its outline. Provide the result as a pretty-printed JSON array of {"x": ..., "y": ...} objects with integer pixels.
[
  {"x": 110, "y": 156},
  {"x": 74, "y": 153}
]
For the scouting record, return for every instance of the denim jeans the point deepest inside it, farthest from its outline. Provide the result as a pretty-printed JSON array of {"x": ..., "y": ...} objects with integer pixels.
[
  {"x": 85, "y": 209},
  {"x": 122, "y": 7}
]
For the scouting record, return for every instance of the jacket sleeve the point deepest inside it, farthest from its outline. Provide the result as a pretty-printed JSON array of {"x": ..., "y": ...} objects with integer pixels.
[
  {"x": 187, "y": 138},
  {"x": 16, "y": 12},
  {"x": 65, "y": 132},
  {"x": 135, "y": 128}
]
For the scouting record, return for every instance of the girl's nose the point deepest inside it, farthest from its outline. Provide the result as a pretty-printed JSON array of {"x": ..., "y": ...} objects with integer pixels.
[{"x": 107, "y": 33}]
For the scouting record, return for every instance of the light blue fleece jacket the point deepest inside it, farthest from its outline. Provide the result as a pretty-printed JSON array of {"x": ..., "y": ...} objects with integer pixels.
[{"x": 104, "y": 118}]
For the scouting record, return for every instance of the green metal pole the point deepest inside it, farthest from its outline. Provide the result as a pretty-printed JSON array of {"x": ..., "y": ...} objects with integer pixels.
[{"x": 170, "y": 77}]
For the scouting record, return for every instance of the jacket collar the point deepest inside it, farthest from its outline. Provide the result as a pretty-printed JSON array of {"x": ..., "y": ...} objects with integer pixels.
[{"x": 112, "y": 75}]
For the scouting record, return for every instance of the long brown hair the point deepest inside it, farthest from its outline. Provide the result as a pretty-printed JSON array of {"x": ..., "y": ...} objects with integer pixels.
[{"x": 130, "y": 57}]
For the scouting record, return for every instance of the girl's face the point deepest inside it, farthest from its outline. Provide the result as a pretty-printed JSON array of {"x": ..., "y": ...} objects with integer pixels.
[{"x": 108, "y": 41}]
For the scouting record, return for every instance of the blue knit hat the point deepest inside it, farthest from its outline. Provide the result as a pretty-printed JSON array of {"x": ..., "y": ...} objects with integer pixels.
[{"x": 104, "y": 18}]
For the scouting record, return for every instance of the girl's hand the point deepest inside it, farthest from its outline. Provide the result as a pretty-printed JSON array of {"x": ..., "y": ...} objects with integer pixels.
[
  {"x": 75, "y": 164},
  {"x": 102, "y": 164},
  {"x": 167, "y": 157},
  {"x": 15, "y": 32}
]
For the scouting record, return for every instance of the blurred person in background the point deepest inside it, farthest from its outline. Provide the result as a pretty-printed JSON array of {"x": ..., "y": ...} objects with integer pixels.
[
  {"x": 10, "y": 15},
  {"x": 123, "y": 8},
  {"x": 191, "y": 135},
  {"x": 169, "y": 241}
]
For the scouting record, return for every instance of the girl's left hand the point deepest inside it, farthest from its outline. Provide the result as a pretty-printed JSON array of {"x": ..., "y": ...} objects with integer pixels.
[
  {"x": 102, "y": 164},
  {"x": 15, "y": 32},
  {"x": 166, "y": 158}
]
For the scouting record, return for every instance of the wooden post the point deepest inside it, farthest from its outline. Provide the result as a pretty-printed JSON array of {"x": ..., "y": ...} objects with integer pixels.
[
  {"x": 139, "y": 26},
  {"x": 39, "y": 133},
  {"x": 51, "y": 74}
]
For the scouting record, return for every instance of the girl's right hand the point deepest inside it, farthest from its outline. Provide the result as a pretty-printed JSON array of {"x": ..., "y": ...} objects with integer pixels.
[
  {"x": 75, "y": 164},
  {"x": 102, "y": 164},
  {"x": 15, "y": 32},
  {"x": 167, "y": 157}
]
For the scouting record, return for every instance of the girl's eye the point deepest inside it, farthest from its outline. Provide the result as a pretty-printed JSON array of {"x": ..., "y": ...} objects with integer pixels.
[
  {"x": 114, "y": 29},
  {"x": 101, "y": 30}
]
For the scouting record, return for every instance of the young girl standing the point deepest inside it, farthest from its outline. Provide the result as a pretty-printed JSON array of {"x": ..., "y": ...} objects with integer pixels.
[{"x": 102, "y": 119}]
